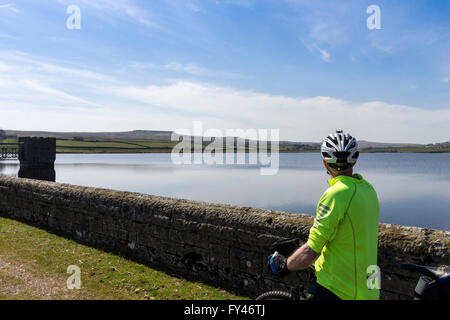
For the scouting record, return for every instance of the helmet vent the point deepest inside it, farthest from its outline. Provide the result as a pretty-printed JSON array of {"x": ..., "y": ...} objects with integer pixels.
[
  {"x": 340, "y": 149},
  {"x": 341, "y": 155}
]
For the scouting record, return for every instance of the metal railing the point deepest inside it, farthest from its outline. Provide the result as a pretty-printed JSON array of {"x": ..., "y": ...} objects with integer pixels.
[{"x": 7, "y": 153}]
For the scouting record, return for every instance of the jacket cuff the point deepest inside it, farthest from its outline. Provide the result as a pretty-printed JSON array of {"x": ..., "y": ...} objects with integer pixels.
[{"x": 316, "y": 242}]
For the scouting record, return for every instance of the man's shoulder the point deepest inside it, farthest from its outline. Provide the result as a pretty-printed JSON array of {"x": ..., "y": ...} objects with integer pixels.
[
  {"x": 345, "y": 190},
  {"x": 337, "y": 195},
  {"x": 341, "y": 188}
]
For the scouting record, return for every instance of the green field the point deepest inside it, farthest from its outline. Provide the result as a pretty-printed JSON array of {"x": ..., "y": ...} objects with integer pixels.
[
  {"x": 158, "y": 146},
  {"x": 33, "y": 265},
  {"x": 431, "y": 149},
  {"x": 104, "y": 146}
]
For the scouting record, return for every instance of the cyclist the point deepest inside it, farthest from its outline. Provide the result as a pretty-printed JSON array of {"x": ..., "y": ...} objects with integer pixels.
[{"x": 343, "y": 240}]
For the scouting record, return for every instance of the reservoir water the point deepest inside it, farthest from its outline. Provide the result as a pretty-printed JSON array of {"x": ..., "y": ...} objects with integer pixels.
[{"x": 413, "y": 189}]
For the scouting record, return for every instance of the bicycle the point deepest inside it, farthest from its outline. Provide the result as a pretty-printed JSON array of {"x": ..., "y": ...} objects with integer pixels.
[
  {"x": 285, "y": 247},
  {"x": 300, "y": 294},
  {"x": 433, "y": 283}
]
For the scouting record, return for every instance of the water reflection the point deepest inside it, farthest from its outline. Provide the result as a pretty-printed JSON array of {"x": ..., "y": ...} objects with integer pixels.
[
  {"x": 413, "y": 189},
  {"x": 46, "y": 174},
  {"x": 13, "y": 169},
  {"x": 9, "y": 168}
]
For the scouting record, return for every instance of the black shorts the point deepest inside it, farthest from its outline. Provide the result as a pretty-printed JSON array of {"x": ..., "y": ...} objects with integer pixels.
[{"x": 318, "y": 292}]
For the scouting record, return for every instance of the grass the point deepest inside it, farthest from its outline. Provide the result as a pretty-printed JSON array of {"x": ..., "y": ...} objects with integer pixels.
[
  {"x": 33, "y": 265},
  {"x": 433, "y": 149},
  {"x": 113, "y": 146},
  {"x": 91, "y": 145}
]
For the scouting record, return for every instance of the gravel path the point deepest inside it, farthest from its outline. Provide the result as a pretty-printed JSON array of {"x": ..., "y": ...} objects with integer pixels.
[{"x": 21, "y": 280}]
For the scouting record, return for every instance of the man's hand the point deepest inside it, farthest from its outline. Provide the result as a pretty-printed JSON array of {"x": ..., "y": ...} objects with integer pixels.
[{"x": 278, "y": 264}]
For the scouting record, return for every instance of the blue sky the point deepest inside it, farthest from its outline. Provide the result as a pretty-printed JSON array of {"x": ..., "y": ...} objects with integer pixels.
[{"x": 304, "y": 67}]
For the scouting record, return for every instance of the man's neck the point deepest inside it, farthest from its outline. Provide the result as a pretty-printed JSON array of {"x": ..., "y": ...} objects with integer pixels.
[{"x": 347, "y": 174}]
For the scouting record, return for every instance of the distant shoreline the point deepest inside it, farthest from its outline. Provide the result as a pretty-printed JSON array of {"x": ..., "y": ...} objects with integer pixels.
[
  {"x": 154, "y": 152},
  {"x": 96, "y": 145}
]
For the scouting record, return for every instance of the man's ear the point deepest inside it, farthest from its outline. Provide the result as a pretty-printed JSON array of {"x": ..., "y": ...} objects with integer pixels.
[{"x": 326, "y": 166}]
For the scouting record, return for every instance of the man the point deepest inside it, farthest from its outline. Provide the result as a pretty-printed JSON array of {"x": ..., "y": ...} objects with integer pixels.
[{"x": 343, "y": 240}]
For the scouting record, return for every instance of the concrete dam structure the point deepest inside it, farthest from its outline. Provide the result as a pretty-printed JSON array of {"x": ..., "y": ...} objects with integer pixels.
[
  {"x": 220, "y": 244},
  {"x": 37, "y": 158}
]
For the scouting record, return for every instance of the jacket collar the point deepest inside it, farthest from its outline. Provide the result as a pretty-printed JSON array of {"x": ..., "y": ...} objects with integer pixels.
[{"x": 356, "y": 177}]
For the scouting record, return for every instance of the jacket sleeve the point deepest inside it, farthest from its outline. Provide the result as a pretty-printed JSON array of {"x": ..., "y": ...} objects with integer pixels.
[{"x": 330, "y": 212}]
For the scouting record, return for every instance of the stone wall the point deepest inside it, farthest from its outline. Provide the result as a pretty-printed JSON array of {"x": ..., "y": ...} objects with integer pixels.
[{"x": 220, "y": 244}]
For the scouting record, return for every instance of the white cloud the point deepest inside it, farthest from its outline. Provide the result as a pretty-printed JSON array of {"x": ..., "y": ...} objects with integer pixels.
[
  {"x": 298, "y": 118},
  {"x": 192, "y": 69},
  {"x": 242, "y": 3},
  {"x": 39, "y": 95},
  {"x": 195, "y": 8},
  {"x": 9, "y": 6},
  {"x": 406, "y": 39},
  {"x": 446, "y": 80},
  {"x": 55, "y": 94},
  {"x": 23, "y": 62},
  {"x": 324, "y": 54},
  {"x": 27, "y": 81},
  {"x": 55, "y": 118},
  {"x": 382, "y": 43},
  {"x": 126, "y": 8},
  {"x": 324, "y": 23}
]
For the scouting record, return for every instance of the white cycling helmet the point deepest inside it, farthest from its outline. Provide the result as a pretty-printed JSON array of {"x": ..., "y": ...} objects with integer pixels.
[{"x": 340, "y": 150}]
